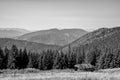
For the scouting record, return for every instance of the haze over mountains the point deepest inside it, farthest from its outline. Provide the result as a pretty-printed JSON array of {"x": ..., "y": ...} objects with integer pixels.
[
  {"x": 53, "y": 36},
  {"x": 49, "y": 39},
  {"x": 38, "y": 40},
  {"x": 12, "y": 32}
]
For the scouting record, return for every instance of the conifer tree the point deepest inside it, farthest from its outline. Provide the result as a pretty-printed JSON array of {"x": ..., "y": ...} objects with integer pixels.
[
  {"x": 1, "y": 58},
  {"x": 5, "y": 60},
  {"x": 12, "y": 57}
]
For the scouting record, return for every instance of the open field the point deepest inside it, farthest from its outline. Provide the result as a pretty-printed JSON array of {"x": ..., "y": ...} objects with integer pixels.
[{"x": 63, "y": 75}]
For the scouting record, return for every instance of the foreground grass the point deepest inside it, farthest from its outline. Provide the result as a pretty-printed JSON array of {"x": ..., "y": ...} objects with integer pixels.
[{"x": 61, "y": 75}]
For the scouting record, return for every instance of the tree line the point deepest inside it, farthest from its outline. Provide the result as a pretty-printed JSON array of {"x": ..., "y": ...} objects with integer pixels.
[{"x": 15, "y": 58}]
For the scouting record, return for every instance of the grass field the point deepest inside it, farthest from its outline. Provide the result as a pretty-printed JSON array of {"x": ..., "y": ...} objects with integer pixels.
[{"x": 109, "y": 74}]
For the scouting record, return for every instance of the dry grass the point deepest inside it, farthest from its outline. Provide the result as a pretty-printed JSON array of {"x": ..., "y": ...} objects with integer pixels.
[{"x": 61, "y": 75}]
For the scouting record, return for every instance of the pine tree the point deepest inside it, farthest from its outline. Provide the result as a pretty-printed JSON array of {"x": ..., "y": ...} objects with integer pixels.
[
  {"x": 1, "y": 58},
  {"x": 80, "y": 55},
  {"x": 30, "y": 63},
  {"x": 101, "y": 61},
  {"x": 57, "y": 64},
  {"x": 12, "y": 57},
  {"x": 93, "y": 56},
  {"x": 5, "y": 60}
]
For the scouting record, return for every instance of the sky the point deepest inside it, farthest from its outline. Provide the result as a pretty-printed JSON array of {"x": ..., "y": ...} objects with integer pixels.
[{"x": 45, "y": 14}]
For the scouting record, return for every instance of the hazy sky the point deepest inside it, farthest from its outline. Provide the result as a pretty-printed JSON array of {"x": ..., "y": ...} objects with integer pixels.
[{"x": 46, "y": 14}]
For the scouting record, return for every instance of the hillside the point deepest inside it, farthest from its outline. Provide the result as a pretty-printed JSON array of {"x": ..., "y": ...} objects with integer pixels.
[
  {"x": 104, "y": 37},
  {"x": 32, "y": 46},
  {"x": 53, "y": 36},
  {"x": 11, "y": 32}
]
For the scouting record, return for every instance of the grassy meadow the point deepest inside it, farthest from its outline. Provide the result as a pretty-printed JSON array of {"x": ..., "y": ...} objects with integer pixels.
[{"x": 32, "y": 74}]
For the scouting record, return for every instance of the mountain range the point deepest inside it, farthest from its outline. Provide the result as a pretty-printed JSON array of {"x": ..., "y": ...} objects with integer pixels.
[
  {"x": 38, "y": 40},
  {"x": 53, "y": 36},
  {"x": 49, "y": 39}
]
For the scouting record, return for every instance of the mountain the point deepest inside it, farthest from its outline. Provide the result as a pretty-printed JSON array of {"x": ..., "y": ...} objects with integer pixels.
[
  {"x": 12, "y": 32},
  {"x": 32, "y": 46},
  {"x": 101, "y": 38},
  {"x": 54, "y": 36}
]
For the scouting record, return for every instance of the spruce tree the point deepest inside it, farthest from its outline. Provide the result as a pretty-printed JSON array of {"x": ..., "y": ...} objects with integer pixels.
[
  {"x": 12, "y": 57},
  {"x": 1, "y": 58}
]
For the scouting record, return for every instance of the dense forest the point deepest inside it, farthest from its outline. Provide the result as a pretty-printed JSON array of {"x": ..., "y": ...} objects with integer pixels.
[{"x": 15, "y": 58}]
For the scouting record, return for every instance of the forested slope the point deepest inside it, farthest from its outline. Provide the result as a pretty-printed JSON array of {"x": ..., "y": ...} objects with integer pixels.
[{"x": 32, "y": 46}]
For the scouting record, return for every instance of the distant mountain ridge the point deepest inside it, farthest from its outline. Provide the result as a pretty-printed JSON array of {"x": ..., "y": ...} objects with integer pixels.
[
  {"x": 53, "y": 36},
  {"x": 103, "y": 37},
  {"x": 12, "y": 32}
]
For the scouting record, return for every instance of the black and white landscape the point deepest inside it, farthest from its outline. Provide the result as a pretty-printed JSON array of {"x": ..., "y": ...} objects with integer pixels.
[
  {"x": 12, "y": 32},
  {"x": 59, "y": 40}
]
